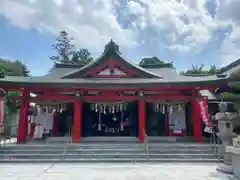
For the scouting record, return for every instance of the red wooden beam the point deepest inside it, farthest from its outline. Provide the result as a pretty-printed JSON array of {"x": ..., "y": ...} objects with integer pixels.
[
  {"x": 111, "y": 98},
  {"x": 111, "y": 76},
  {"x": 48, "y": 97},
  {"x": 169, "y": 97},
  {"x": 39, "y": 88}
]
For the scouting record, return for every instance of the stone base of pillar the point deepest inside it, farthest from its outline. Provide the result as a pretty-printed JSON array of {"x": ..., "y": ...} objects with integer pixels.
[
  {"x": 235, "y": 150},
  {"x": 224, "y": 168}
]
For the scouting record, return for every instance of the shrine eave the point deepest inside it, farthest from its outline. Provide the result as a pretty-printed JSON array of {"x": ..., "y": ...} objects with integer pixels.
[{"x": 109, "y": 83}]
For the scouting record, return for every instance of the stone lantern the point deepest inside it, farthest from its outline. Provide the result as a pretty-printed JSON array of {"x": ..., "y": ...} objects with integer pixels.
[{"x": 225, "y": 126}]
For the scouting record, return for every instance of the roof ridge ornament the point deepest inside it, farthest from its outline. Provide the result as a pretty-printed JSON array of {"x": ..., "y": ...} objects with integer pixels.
[{"x": 112, "y": 47}]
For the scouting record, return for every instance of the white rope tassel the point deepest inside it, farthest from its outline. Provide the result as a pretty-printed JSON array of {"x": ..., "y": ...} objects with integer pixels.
[
  {"x": 113, "y": 110},
  {"x": 92, "y": 107},
  {"x": 125, "y": 107},
  {"x": 179, "y": 107},
  {"x": 160, "y": 108},
  {"x": 99, "y": 122},
  {"x": 121, "y": 107},
  {"x": 117, "y": 108},
  {"x": 96, "y": 108},
  {"x": 101, "y": 108},
  {"x": 163, "y": 108},
  {"x": 122, "y": 128},
  {"x": 170, "y": 109},
  {"x": 104, "y": 109}
]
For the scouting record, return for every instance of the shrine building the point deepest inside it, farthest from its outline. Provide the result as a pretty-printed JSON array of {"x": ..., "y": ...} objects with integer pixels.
[{"x": 112, "y": 96}]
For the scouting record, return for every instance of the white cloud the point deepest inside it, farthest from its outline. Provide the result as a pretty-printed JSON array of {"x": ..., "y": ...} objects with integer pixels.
[
  {"x": 187, "y": 26},
  {"x": 228, "y": 13},
  {"x": 90, "y": 23},
  {"x": 135, "y": 8},
  {"x": 187, "y": 22}
]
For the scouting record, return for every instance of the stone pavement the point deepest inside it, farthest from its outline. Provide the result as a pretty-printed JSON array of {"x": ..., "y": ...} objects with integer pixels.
[{"x": 111, "y": 172}]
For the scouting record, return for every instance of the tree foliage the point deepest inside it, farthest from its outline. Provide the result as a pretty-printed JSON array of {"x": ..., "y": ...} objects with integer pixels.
[
  {"x": 66, "y": 52},
  {"x": 64, "y": 48},
  {"x": 82, "y": 56},
  {"x": 12, "y": 68},
  {"x": 154, "y": 62},
  {"x": 200, "y": 70}
]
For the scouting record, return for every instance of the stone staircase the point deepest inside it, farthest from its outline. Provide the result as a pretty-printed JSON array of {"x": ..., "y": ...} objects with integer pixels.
[{"x": 106, "y": 150}]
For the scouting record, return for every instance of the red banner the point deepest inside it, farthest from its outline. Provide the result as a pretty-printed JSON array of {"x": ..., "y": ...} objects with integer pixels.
[
  {"x": 204, "y": 114},
  {"x": 1, "y": 116}
]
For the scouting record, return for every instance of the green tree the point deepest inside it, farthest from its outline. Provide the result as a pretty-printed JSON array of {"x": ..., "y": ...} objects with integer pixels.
[
  {"x": 82, "y": 56},
  {"x": 12, "y": 68},
  {"x": 213, "y": 70},
  {"x": 234, "y": 92},
  {"x": 66, "y": 52},
  {"x": 199, "y": 70},
  {"x": 150, "y": 60},
  {"x": 154, "y": 62},
  {"x": 195, "y": 70},
  {"x": 64, "y": 48}
]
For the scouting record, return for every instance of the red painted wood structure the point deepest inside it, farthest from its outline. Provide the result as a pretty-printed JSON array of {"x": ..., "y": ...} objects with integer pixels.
[{"x": 111, "y": 78}]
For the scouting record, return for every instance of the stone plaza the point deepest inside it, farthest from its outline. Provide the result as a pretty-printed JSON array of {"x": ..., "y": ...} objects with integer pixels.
[{"x": 111, "y": 172}]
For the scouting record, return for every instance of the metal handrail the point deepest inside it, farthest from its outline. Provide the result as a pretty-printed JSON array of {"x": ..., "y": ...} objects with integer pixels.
[
  {"x": 146, "y": 142},
  {"x": 65, "y": 151},
  {"x": 215, "y": 143}
]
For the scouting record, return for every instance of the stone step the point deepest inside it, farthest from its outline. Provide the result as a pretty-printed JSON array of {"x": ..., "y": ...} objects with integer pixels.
[
  {"x": 93, "y": 139},
  {"x": 161, "y": 147},
  {"x": 115, "y": 160},
  {"x": 113, "y": 151},
  {"x": 173, "y": 139},
  {"x": 104, "y": 151},
  {"x": 110, "y": 156}
]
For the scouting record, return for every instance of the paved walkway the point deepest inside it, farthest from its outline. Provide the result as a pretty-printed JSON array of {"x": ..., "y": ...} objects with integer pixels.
[{"x": 110, "y": 172}]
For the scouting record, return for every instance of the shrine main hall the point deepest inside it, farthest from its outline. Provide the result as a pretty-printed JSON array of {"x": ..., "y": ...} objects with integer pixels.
[{"x": 112, "y": 96}]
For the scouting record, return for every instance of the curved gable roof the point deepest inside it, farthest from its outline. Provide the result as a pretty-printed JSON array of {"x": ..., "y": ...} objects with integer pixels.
[
  {"x": 111, "y": 52},
  {"x": 230, "y": 68}
]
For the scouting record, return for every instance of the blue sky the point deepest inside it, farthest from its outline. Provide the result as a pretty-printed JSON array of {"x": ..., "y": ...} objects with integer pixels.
[{"x": 183, "y": 31}]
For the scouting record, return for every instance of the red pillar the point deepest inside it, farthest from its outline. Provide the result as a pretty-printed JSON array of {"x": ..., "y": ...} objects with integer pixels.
[
  {"x": 196, "y": 121},
  {"x": 77, "y": 122},
  {"x": 141, "y": 119},
  {"x": 22, "y": 122}
]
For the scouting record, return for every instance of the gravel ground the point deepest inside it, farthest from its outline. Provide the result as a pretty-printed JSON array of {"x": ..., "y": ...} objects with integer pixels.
[{"x": 111, "y": 172}]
